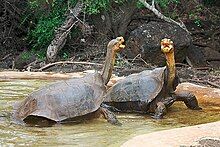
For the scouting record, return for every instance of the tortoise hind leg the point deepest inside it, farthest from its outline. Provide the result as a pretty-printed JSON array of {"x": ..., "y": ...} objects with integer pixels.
[
  {"x": 110, "y": 116},
  {"x": 189, "y": 99}
]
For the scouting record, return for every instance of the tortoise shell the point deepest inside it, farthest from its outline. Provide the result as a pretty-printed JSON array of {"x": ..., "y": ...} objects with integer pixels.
[
  {"x": 64, "y": 99},
  {"x": 144, "y": 86}
]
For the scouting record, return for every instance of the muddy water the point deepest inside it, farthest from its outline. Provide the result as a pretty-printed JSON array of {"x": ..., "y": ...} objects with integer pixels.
[{"x": 95, "y": 132}]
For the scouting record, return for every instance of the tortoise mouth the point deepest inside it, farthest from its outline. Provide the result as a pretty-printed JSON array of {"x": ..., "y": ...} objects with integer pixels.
[
  {"x": 167, "y": 45},
  {"x": 166, "y": 49},
  {"x": 120, "y": 44}
]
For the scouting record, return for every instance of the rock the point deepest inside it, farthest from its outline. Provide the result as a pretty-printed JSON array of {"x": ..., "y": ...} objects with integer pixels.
[
  {"x": 145, "y": 40},
  {"x": 207, "y": 142},
  {"x": 23, "y": 59},
  {"x": 203, "y": 94},
  {"x": 195, "y": 56},
  {"x": 185, "y": 137},
  {"x": 212, "y": 57}
]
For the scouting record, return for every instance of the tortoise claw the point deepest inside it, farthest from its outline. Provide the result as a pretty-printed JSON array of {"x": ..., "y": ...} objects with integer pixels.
[
  {"x": 115, "y": 122},
  {"x": 196, "y": 108}
]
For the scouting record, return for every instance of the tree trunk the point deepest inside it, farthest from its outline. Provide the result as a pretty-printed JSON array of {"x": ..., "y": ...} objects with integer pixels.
[
  {"x": 62, "y": 32},
  {"x": 116, "y": 21}
]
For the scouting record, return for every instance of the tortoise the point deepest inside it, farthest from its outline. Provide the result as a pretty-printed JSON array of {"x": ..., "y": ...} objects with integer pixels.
[
  {"x": 151, "y": 91},
  {"x": 73, "y": 98}
]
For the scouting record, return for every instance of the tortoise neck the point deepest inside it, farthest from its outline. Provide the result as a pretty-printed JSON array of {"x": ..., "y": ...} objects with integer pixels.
[
  {"x": 171, "y": 71},
  {"x": 108, "y": 66}
]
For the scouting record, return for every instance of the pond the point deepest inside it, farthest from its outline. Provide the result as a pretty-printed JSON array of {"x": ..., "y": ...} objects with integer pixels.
[{"x": 96, "y": 132}]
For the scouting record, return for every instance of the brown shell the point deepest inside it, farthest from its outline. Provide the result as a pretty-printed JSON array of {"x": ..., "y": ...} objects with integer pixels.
[
  {"x": 64, "y": 99},
  {"x": 144, "y": 86}
]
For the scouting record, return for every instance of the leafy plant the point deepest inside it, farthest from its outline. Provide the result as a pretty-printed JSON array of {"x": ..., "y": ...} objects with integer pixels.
[
  {"x": 40, "y": 36},
  {"x": 65, "y": 55},
  {"x": 46, "y": 17},
  {"x": 165, "y": 3},
  {"x": 195, "y": 15},
  {"x": 96, "y": 6},
  {"x": 26, "y": 55}
]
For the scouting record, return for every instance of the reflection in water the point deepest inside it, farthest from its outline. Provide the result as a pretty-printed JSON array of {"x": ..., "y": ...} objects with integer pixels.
[{"x": 96, "y": 132}]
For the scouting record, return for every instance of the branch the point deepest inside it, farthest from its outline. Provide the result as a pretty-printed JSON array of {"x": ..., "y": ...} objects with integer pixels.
[
  {"x": 5, "y": 57},
  {"x": 62, "y": 32},
  {"x": 161, "y": 16},
  {"x": 67, "y": 62}
]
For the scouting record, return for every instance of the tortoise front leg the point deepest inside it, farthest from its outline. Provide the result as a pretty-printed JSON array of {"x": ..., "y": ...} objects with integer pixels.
[
  {"x": 188, "y": 98},
  {"x": 161, "y": 109},
  {"x": 110, "y": 116}
]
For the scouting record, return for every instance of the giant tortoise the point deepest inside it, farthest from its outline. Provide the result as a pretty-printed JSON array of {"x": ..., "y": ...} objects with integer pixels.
[
  {"x": 151, "y": 91},
  {"x": 74, "y": 97}
]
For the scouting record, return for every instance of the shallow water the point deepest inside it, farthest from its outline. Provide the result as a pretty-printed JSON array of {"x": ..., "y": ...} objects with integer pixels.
[{"x": 95, "y": 132}]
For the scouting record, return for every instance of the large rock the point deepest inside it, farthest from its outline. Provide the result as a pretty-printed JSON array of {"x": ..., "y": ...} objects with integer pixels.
[
  {"x": 145, "y": 40},
  {"x": 195, "y": 56},
  {"x": 198, "y": 56},
  {"x": 205, "y": 135},
  {"x": 204, "y": 95}
]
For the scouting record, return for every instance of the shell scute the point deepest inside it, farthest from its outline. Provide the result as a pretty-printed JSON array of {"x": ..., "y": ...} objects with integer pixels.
[
  {"x": 144, "y": 86},
  {"x": 64, "y": 99}
]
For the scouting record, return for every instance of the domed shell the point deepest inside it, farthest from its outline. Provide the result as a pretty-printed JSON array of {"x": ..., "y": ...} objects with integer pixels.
[
  {"x": 144, "y": 86},
  {"x": 64, "y": 99}
]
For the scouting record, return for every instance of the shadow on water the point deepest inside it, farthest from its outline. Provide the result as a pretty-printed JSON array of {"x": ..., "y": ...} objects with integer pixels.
[{"x": 95, "y": 132}]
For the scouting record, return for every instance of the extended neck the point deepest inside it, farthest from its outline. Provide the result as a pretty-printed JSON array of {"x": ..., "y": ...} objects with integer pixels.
[
  {"x": 108, "y": 66},
  {"x": 171, "y": 70}
]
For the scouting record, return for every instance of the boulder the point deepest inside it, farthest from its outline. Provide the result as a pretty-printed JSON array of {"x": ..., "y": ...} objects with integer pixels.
[
  {"x": 204, "y": 135},
  {"x": 198, "y": 56},
  {"x": 212, "y": 57},
  {"x": 145, "y": 40},
  {"x": 195, "y": 56}
]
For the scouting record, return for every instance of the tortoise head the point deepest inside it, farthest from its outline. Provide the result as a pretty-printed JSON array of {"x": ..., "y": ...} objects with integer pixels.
[
  {"x": 167, "y": 46},
  {"x": 116, "y": 44}
]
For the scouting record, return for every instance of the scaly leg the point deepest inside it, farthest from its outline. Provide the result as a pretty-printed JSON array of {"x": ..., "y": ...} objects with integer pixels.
[
  {"x": 162, "y": 107},
  {"x": 160, "y": 111},
  {"x": 110, "y": 116},
  {"x": 188, "y": 98}
]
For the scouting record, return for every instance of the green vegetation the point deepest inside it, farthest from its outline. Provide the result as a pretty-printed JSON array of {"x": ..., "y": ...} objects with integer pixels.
[
  {"x": 94, "y": 6},
  {"x": 195, "y": 15},
  {"x": 165, "y": 3},
  {"x": 26, "y": 55},
  {"x": 48, "y": 17},
  {"x": 44, "y": 16}
]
